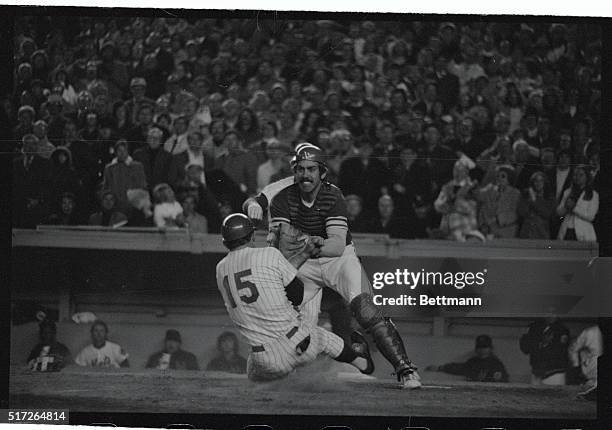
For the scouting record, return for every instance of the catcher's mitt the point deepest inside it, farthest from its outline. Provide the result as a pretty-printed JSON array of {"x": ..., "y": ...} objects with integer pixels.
[{"x": 296, "y": 246}]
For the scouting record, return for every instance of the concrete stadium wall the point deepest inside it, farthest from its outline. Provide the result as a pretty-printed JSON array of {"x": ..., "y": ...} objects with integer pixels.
[{"x": 143, "y": 336}]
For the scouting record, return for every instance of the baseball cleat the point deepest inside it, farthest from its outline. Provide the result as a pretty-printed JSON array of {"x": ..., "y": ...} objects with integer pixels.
[
  {"x": 362, "y": 349},
  {"x": 408, "y": 377},
  {"x": 411, "y": 381},
  {"x": 588, "y": 394}
]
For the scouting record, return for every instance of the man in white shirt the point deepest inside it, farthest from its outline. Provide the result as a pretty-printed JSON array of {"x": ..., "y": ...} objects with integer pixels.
[
  {"x": 101, "y": 352},
  {"x": 177, "y": 143}
]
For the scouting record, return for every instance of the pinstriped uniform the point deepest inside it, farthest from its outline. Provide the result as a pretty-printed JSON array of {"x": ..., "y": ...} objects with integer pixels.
[
  {"x": 252, "y": 282},
  {"x": 343, "y": 274}
]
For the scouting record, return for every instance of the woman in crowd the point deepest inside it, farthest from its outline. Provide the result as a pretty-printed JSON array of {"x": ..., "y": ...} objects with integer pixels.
[
  {"x": 457, "y": 204},
  {"x": 167, "y": 213},
  {"x": 108, "y": 216},
  {"x": 63, "y": 176},
  {"x": 536, "y": 208},
  {"x": 578, "y": 207},
  {"x": 66, "y": 213},
  {"x": 248, "y": 127}
]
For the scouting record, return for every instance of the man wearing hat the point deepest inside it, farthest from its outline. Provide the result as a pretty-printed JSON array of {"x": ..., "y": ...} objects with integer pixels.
[
  {"x": 25, "y": 115},
  {"x": 138, "y": 88},
  {"x": 484, "y": 366},
  {"x": 45, "y": 148},
  {"x": 54, "y": 118},
  {"x": 499, "y": 201},
  {"x": 172, "y": 356}
]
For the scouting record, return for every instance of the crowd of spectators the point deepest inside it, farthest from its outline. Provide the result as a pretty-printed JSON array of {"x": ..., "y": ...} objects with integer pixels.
[
  {"x": 442, "y": 130},
  {"x": 49, "y": 355}
]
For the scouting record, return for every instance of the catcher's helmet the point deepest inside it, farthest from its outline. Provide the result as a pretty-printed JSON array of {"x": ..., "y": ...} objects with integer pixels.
[
  {"x": 298, "y": 149},
  {"x": 311, "y": 153},
  {"x": 236, "y": 226}
]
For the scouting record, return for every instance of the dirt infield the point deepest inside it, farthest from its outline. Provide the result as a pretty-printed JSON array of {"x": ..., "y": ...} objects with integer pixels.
[{"x": 309, "y": 391}]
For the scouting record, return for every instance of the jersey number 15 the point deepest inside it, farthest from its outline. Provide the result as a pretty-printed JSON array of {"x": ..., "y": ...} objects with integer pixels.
[{"x": 241, "y": 284}]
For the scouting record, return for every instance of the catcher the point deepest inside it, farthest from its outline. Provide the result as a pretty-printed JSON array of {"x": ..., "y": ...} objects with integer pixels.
[
  {"x": 257, "y": 210},
  {"x": 261, "y": 292},
  {"x": 318, "y": 208}
]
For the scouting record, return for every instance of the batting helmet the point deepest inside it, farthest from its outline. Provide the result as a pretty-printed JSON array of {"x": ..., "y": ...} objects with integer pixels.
[
  {"x": 236, "y": 226},
  {"x": 311, "y": 153}
]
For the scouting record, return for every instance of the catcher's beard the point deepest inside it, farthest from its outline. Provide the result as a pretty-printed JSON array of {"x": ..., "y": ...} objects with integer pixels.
[{"x": 383, "y": 331}]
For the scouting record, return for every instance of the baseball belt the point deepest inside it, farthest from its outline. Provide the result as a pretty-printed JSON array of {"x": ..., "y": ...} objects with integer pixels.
[{"x": 260, "y": 348}]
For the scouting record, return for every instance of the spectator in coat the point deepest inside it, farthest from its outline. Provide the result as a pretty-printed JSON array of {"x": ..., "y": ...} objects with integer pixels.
[
  {"x": 387, "y": 221},
  {"x": 123, "y": 174},
  {"x": 63, "y": 177},
  {"x": 546, "y": 343},
  {"x": 276, "y": 153},
  {"x": 108, "y": 216},
  {"x": 137, "y": 136},
  {"x": 364, "y": 175},
  {"x": 354, "y": 208},
  {"x": 498, "y": 205},
  {"x": 30, "y": 185},
  {"x": 411, "y": 181},
  {"x": 193, "y": 155},
  {"x": 526, "y": 163},
  {"x": 45, "y": 147},
  {"x": 138, "y": 88},
  {"x": 173, "y": 356},
  {"x": 25, "y": 116},
  {"x": 195, "y": 185},
  {"x": 578, "y": 207},
  {"x": 177, "y": 142},
  {"x": 155, "y": 160},
  {"x": 238, "y": 164},
  {"x": 457, "y": 204},
  {"x": 484, "y": 366},
  {"x": 48, "y": 355},
  {"x": 195, "y": 222},
  {"x": 229, "y": 359},
  {"x": 536, "y": 208},
  {"x": 66, "y": 212}
]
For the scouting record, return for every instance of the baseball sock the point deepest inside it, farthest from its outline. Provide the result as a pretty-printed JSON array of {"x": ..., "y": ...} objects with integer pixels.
[{"x": 348, "y": 355}]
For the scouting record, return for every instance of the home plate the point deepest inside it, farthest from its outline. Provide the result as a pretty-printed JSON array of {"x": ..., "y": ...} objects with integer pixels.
[
  {"x": 356, "y": 376},
  {"x": 443, "y": 387}
]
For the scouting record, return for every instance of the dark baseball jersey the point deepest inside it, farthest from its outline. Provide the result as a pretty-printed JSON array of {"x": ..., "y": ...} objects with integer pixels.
[{"x": 327, "y": 210}]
